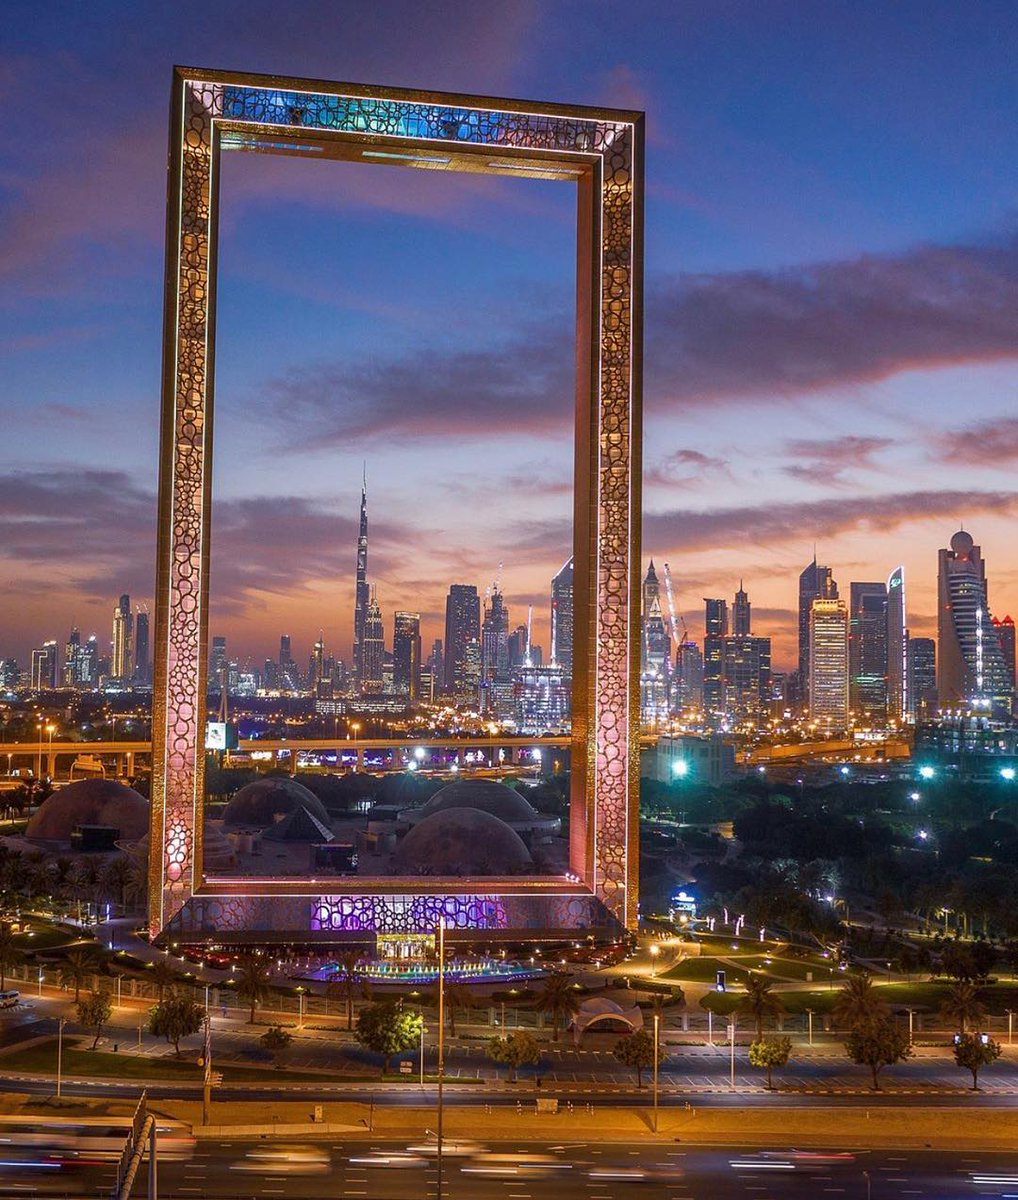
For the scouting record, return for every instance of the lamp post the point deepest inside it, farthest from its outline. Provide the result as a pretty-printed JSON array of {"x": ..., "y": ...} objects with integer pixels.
[
  {"x": 809, "y": 1013},
  {"x": 300, "y": 1008},
  {"x": 911, "y": 1015},
  {"x": 60, "y": 1055},
  {"x": 423, "y": 1032},
  {"x": 49, "y": 756},
  {"x": 657, "y": 1033},
  {"x": 441, "y": 1045},
  {"x": 654, "y": 952},
  {"x": 38, "y": 751},
  {"x": 731, "y": 1031}
]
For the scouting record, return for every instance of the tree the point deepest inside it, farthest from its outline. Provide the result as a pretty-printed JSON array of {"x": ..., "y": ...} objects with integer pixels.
[
  {"x": 276, "y": 1038},
  {"x": 94, "y": 1011},
  {"x": 10, "y": 954},
  {"x": 162, "y": 974},
  {"x": 456, "y": 996},
  {"x": 76, "y": 969},
  {"x": 972, "y": 1051},
  {"x": 768, "y": 1053},
  {"x": 858, "y": 1004},
  {"x": 176, "y": 1017},
  {"x": 963, "y": 1007},
  {"x": 387, "y": 1029},
  {"x": 344, "y": 982},
  {"x": 636, "y": 1050},
  {"x": 759, "y": 1002},
  {"x": 519, "y": 1049},
  {"x": 558, "y": 997},
  {"x": 252, "y": 983},
  {"x": 877, "y": 1044}
]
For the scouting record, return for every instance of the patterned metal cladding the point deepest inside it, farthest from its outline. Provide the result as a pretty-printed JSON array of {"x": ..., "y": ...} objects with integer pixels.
[{"x": 216, "y": 110}]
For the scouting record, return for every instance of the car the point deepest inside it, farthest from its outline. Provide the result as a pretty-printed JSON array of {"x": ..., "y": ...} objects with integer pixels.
[
  {"x": 451, "y": 1148},
  {"x": 526, "y": 1164},
  {"x": 393, "y": 1159},
  {"x": 285, "y": 1158}
]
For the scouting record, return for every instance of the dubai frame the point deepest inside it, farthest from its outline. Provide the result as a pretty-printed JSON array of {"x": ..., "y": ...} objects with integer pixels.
[{"x": 600, "y": 151}]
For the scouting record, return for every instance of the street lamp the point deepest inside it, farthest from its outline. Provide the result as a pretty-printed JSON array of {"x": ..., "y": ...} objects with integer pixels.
[
  {"x": 300, "y": 1004},
  {"x": 1008, "y": 774},
  {"x": 654, "y": 952},
  {"x": 926, "y": 772},
  {"x": 657, "y": 1030},
  {"x": 441, "y": 1048},
  {"x": 680, "y": 768}
]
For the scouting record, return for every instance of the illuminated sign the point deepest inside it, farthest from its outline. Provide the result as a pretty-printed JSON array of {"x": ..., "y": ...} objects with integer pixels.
[{"x": 220, "y": 735}]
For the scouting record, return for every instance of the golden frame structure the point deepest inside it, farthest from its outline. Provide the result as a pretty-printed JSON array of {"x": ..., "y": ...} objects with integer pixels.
[{"x": 601, "y": 151}]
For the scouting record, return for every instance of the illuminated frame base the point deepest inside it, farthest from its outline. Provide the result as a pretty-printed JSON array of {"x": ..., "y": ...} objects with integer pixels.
[{"x": 601, "y": 153}]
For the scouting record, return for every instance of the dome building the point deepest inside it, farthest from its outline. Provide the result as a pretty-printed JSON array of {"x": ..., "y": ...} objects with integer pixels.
[
  {"x": 266, "y": 801},
  {"x": 490, "y": 797},
  {"x": 96, "y": 802},
  {"x": 463, "y": 842}
]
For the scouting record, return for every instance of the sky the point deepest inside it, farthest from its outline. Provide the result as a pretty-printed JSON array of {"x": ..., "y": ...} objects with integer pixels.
[{"x": 831, "y": 310}]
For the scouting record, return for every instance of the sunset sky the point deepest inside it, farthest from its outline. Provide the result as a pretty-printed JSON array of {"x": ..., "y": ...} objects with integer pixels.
[{"x": 831, "y": 328}]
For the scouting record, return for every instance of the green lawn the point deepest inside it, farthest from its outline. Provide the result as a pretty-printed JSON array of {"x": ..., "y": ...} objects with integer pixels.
[
  {"x": 42, "y": 1059},
  {"x": 45, "y": 937}
]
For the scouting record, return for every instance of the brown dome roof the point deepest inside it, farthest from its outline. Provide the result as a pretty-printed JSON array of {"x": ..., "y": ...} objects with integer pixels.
[
  {"x": 90, "y": 802},
  {"x": 264, "y": 801},
  {"x": 461, "y": 841},
  {"x": 484, "y": 795}
]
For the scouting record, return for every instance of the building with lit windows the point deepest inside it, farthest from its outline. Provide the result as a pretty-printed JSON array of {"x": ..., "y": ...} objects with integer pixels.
[
  {"x": 970, "y": 662},
  {"x": 816, "y": 582},
  {"x": 373, "y": 656},
  {"x": 123, "y": 639},
  {"x": 867, "y": 650},
  {"x": 462, "y": 627},
  {"x": 899, "y": 706},
  {"x": 406, "y": 655},
  {"x": 562, "y": 617},
  {"x": 922, "y": 676},
  {"x": 715, "y": 632},
  {"x": 828, "y": 663}
]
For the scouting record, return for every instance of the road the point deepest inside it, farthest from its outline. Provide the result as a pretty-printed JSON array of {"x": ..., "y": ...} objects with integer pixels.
[{"x": 591, "y": 1170}]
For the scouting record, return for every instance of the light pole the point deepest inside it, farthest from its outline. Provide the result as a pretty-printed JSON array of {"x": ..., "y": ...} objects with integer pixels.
[
  {"x": 300, "y": 1003},
  {"x": 911, "y": 1014},
  {"x": 657, "y": 1032},
  {"x": 441, "y": 1044},
  {"x": 38, "y": 752},
  {"x": 809, "y": 1013},
  {"x": 654, "y": 952},
  {"x": 49, "y": 756},
  {"x": 423, "y": 1032},
  {"x": 60, "y": 1055},
  {"x": 1010, "y": 1025},
  {"x": 119, "y": 980},
  {"x": 731, "y": 1031},
  {"x": 40, "y": 981}
]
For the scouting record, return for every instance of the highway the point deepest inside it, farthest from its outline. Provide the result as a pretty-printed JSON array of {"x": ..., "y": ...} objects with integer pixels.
[{"x": 595, "y": 1171}]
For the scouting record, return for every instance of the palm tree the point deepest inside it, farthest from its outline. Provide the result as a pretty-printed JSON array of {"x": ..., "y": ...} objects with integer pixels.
[
  {"x": 136, "y": 885},
  {"x": 113, "y": 879},
  {"x": 10, "y": 954},
  {"x": 252, "y": 983},
  {"x": 962, "y": 1005},
  {"x": 78, "y": 966},
  {"x": 344, "y": 982},
  {"x": 162, "y": 975},
  {"x": 558, "y": 997},
  {"x": 759, "y": 1002},
  {"x": 456, "y": 996},
  {"x": 858, "y": 1004}
]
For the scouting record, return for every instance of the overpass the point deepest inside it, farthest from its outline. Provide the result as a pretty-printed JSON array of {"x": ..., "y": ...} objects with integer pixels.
[
  {"x": 838, "y": 749},
  {"x": 129, "y": 756}
]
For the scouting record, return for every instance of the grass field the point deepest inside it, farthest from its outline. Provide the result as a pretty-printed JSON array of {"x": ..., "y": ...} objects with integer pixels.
[{"x": 42, "y": 1060}]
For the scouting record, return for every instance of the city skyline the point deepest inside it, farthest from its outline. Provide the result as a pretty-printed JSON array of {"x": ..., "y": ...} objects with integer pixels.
[{"x": 829, "y": 351}]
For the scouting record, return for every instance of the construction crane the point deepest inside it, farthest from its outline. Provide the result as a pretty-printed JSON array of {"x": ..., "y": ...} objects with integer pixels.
[
  {"x": 493, "y": 586},
  {"x": 671, "y": 608}
]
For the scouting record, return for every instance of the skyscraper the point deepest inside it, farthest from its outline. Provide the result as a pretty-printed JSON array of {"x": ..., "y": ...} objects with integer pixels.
[
  {"x": 406, "y": 654},
  {"x": 687, "y": 685},
  {"x": 970, "y": 665},
  {"x": 519, "y": 646},
  {"x": 495, "y": 640},
  {"x": 922, "y": 676},
  {"x": 45, "y": 667},
  {"x": 815, "y": 583},
  {"x": 828, "y": 663},
  {"x": 562, "y": 617},
  {"x": 123, "y": 629},
  {"x": 141, "y": 672},
  {"x": 218, "y": 664},
  {"x": 1005, "y": 635},
  {"x": 373, "y": 648},
  {"x": 715, "y": 632},
  {"x": 656, "y": 643},
  {"x": 462, "y": 626},
  {"x": 898, "y": 706},
  {"x": 71, "y": 655},
  {"x": 868, "y": 624},
  {"x": 741, "y": 612},
  {"x": 361, "y": 594}
]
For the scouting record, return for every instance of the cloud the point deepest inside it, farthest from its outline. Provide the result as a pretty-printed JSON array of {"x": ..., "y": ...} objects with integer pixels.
[
  {"x": 683, "y": 468},
  {"x": 992, "y": 442},
  {"x": 752, "y": 333},
  {"x": 767, "y": 524},
  {"x": 521, "y": 386},
  {"x": 829, "y": 459}
]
